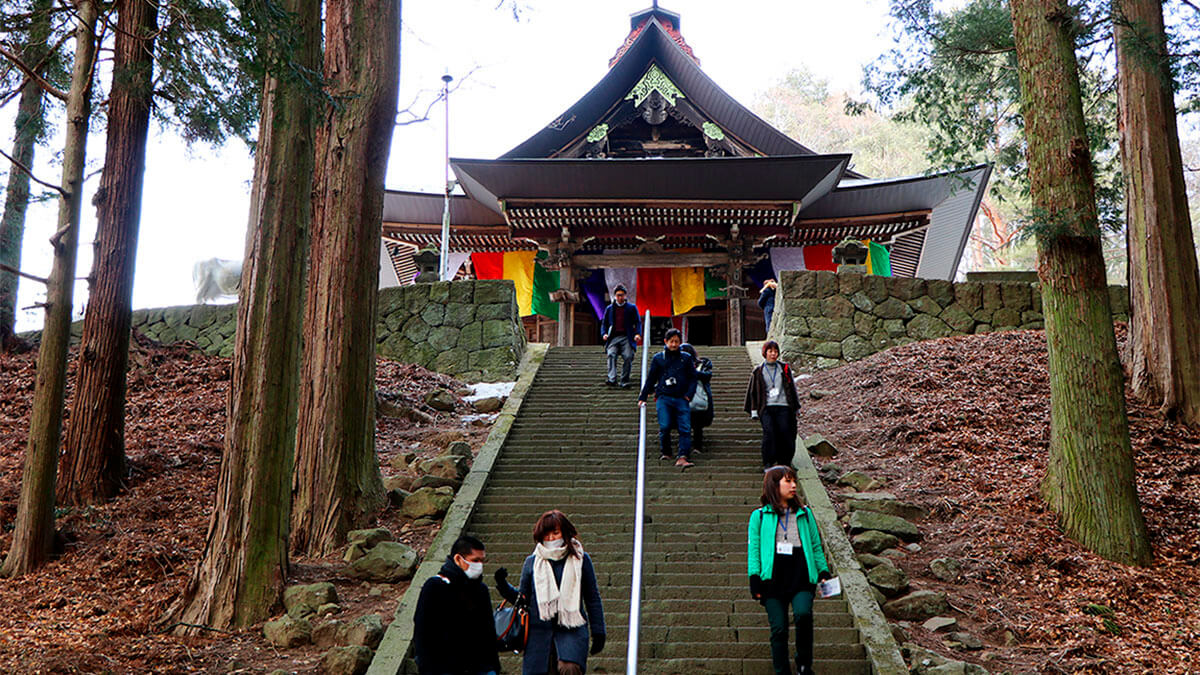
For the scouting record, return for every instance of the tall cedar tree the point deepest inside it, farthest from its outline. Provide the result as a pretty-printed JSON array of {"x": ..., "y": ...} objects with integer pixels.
[
  {"x": 33, "y": 534},
  {"x": 240, "y": 576},
  {"x": 337, "y": 483},
  {"x": 1090, "y": 475},
  {"x": 92, "y": 468},
  {"x": 1164, "y": 330},
  {"x": 29, "y": 125}
]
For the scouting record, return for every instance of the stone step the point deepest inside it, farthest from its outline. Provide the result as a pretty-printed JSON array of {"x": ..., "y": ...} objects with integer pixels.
[{"x": 574, "y": 446}]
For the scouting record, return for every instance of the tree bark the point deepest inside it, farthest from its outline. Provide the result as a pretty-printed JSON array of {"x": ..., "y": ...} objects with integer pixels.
[
  {"x": 337, "y": 484},
  {"x": 241, "y": 573},
  {"x": 29, "y": 125},
  {"x": 92, "y": 468},
  {"x": 1090, "y": 478},
  {"x": 1164, "y": 328},
  {"x": 33, "y": 534}
]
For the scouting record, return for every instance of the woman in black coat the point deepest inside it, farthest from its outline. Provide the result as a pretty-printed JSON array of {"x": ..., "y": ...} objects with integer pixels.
[
  {"x": 701, "y": 417},
  {"x": 771, "y": 397}
]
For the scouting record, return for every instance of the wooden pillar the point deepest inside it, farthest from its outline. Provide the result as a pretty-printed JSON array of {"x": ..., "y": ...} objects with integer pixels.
[
  {"x": 735, "y": 321},
  {"x": 566, "y": 308}
]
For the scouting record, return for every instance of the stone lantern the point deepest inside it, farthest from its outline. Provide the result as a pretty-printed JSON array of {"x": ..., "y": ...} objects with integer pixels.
[
  {"x": 851, "y": 256},
  {"x": 427, "y": 260}
]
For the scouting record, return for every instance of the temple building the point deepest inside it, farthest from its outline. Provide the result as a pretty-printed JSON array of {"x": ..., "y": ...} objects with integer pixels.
[{"x": 659, "y": 180}]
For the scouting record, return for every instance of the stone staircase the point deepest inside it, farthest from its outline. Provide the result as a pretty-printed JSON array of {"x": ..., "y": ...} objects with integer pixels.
[{"x": 573, "y": 447}]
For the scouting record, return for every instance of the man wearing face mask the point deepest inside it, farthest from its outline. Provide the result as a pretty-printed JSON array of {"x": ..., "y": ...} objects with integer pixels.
[{"x": 453, "y": 633}]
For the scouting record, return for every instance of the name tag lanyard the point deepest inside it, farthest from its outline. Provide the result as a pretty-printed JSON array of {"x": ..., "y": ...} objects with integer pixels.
[
  {"x": 784, "y": 547},
  {"x": 774, "y": 381}
]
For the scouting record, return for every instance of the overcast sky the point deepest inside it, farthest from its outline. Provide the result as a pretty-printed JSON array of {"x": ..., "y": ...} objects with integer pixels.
[{"x": 523, "y": 73}]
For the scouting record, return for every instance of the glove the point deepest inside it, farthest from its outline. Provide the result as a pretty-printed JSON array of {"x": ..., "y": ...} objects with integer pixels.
[
  {"x": 597, "y": 643},
  {"x": 501, "y": 575},
  {"x": 755, "y": 586}
]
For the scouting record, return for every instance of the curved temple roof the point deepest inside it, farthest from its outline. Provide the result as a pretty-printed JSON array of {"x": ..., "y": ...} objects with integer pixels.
[{"x": 775, "y": 187}]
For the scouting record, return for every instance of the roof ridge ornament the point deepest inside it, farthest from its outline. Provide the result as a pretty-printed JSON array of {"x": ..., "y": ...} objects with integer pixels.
[{"x": 654, "y": 80}]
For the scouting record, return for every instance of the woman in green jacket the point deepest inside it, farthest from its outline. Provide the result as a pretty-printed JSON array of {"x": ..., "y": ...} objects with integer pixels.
[{"x": 786, "y": 561}]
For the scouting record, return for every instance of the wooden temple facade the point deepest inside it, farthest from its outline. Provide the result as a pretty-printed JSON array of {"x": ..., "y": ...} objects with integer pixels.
[{"x": 660, "y": 165}]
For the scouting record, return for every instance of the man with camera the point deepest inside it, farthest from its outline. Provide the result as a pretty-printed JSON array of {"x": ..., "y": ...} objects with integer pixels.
[{"x": 672, "y": 377}]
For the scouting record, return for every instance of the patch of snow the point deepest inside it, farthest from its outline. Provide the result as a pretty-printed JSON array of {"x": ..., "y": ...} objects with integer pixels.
[
  {"x": 489, "y": 389},
  {"x": 487, "y": 417}
]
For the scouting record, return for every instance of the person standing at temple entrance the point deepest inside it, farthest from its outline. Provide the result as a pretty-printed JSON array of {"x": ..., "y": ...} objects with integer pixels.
[
  {"x": 766, "y": 300},
  {"x": 672, "y": 378},
  {"x": 621, "y": 331},
  {"x": 771, "y": 397}
]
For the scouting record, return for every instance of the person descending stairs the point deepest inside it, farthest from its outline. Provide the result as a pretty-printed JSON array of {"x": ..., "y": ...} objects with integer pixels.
[{"x": 574, "y": 447}]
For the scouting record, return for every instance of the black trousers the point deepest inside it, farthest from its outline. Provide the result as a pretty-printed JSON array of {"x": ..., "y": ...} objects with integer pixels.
[{"x": 779, "y": 435}]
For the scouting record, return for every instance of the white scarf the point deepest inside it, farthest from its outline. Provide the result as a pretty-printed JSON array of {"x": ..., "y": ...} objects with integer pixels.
[{"x": 561, "y": 599}]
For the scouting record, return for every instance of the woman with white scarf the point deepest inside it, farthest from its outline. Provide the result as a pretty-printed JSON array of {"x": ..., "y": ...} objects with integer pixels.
[{"x": 559, "y": 583}]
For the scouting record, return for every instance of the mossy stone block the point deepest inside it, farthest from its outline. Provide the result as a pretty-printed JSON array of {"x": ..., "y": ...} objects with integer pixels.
[
  {"x": 496, "y": 310},
  {"x": 443, "y": 338},
  {"x": 470, "y": 338},
  {"x": 497, "y": 333},
  {"x": 836, "y": 307},
  {"x": 827, "y": 283},
  {"x": 433, "y": 314},
  {"x": 856, "y": 347},
  {"x": 462, "y": 292},
  {"x": 439, "y": 292},
  {"x": 458, "y": 314},
  {"x": 875, "y": 288},
  {"x": 494, "y": 291}
]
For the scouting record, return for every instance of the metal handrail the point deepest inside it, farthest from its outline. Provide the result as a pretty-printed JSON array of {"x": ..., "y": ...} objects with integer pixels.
[{"x": 639, "y": 509}]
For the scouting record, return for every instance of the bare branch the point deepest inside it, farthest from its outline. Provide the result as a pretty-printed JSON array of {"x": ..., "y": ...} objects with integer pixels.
[
  {"x": 26, "y": 275},
  {"x": 413, "y": 118},
  {"x": 34, "y": 178},
  {"x": 29, "y": 72}
]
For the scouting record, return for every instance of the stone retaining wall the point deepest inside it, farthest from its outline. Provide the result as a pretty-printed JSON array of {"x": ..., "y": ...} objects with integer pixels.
[
  {"x": 823, "y": 319},
  {"x": 468, "y": 329}
]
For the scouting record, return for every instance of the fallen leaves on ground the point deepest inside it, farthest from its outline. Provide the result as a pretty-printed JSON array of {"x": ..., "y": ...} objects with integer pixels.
[
  {"x": 961, "y": 426},
  {"x": 98, "y": 606}
]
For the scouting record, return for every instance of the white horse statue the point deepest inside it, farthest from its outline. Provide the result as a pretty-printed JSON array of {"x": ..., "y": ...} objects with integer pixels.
[{"x": 216, "y": 278}]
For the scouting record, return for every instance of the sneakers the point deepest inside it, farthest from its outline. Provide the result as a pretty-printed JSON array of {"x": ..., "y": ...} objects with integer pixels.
[
  {"x": 684, "y": 463},
  {"x": 625, "y": 384},
  {"x": 611, "y": 383},
  {"x": 663, "y": 455}
]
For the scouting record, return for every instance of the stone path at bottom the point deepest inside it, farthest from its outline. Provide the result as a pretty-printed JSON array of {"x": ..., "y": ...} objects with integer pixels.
[{"x": 574, "y": 447}]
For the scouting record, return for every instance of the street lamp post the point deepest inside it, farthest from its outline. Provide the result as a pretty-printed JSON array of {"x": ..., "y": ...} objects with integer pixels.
[{"x": 444, "y": 267}]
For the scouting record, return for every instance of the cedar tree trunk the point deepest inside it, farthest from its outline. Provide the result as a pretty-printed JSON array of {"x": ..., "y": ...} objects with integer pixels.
[
  {"x": 92, "y": 468},
  {"x": 241, "y": 573},
  {"x": 337, "y": 483},
  {"x": 34, "y": 531},
  {"x": 1164, "y": 328},
  {"x": 1090, "y": 478},
  {"x": 30, "y": 122}
]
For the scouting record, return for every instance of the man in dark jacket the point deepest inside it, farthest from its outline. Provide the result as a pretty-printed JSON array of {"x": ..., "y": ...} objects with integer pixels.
[
  {"x": 453, "y": 633},
  {"x": 672, "y": 377},
  {"x": 621, "y": 331}
]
